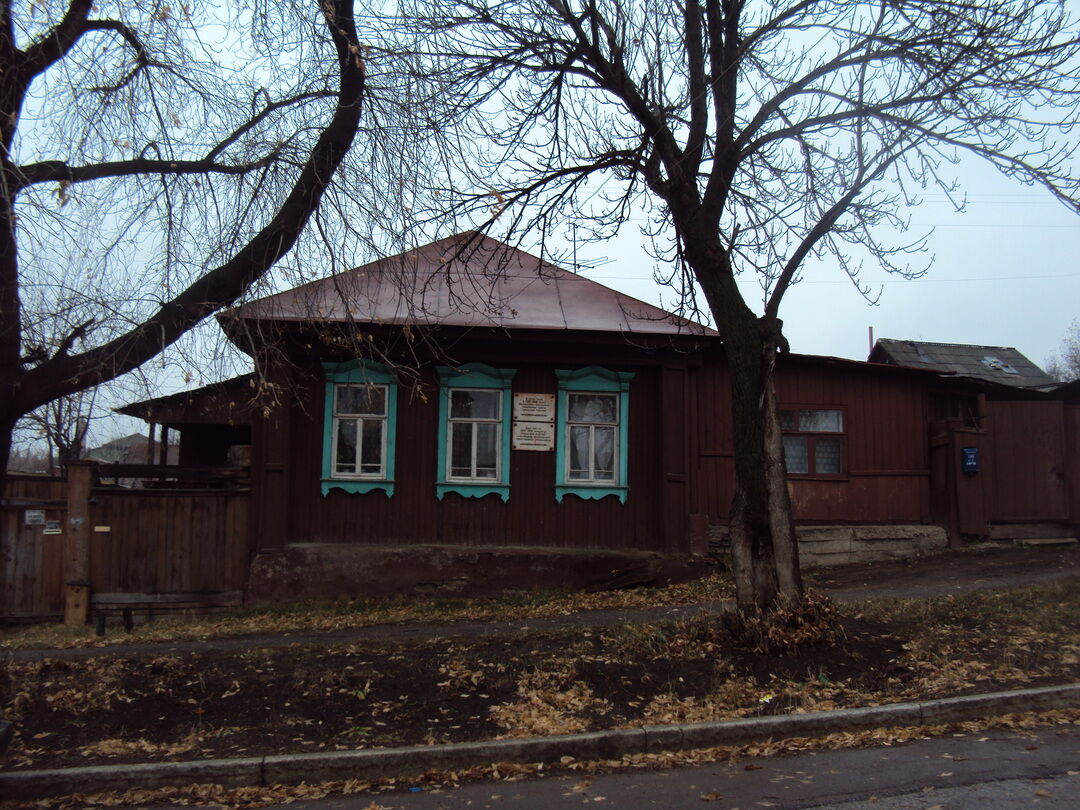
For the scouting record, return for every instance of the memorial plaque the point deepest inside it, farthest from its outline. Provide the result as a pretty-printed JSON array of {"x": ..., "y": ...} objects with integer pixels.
[
  {"x": 534, "y": 407},
  {"x": 534, "y": 436}
]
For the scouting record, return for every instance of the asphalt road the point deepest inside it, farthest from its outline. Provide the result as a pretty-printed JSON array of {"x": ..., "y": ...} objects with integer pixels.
[{"x": 993, "y": 769}]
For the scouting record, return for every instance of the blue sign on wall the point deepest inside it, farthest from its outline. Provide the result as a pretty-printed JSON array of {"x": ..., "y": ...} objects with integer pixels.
[{"x": 969, "y": 459}]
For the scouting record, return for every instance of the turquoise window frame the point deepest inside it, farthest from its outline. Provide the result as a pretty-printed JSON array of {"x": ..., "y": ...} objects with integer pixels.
[
  {"x": 359, "y": 372},
  {"x": 592, "y": 379},
  {"x": 475, "y": 375}
]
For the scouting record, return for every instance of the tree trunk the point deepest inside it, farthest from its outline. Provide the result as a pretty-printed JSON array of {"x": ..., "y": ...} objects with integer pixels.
[
  {"x": 752, "y": 553},
  {"x": 765, "y": 559},
  {"x": 781, "y": 517}
]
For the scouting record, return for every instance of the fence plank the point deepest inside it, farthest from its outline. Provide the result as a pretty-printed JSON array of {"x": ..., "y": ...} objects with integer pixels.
[{"x": 162, "y": 543}]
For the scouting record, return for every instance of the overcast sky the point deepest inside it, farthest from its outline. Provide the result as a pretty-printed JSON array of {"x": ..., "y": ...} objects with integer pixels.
[{"x": 1004, "y": 272}]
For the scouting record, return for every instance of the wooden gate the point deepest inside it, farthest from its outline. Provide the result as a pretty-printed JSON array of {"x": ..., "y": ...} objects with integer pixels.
[
  {"x": 1029, "y": 461},
  {"x": 153, "y": 549}
]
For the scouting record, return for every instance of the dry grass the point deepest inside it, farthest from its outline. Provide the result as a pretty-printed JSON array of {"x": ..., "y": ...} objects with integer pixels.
[{"x": 344, "y": 615}]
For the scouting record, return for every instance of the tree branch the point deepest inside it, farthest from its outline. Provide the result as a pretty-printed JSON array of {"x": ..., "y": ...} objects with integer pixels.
[
  {"x": 223, "y": 285},
  {"x": 57, "y": 171}
]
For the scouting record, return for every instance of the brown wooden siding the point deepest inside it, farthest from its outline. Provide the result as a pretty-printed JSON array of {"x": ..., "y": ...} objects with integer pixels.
[
  {"x": 531, "y": 516},
  {"x": 35, "y": 487},
  {"x": 1028, "y": 461},
  {"x": 31, "y": 565},
  {"x": 1072, "y": 457},
  {"x": 886, "y": 447},
  {"x": 144, "y": 542},
  {"x": 168, "y": 542}
]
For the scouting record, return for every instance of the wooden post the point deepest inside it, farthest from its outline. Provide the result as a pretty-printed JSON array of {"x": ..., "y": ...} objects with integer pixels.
[
  {"x": 80, "y": 480},
  {"x": 150, "y": 443}
]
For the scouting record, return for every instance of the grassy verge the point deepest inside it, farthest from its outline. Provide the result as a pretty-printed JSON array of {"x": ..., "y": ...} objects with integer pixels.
[{"x": 343, "y": 615}]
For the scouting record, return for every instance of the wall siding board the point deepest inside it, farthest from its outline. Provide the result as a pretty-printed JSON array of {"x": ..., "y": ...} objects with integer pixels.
[
  {"x": 1072, "y": 456},
  {"x": 531, "y": 516},
  {"x": 887, "y": 469},
  {"x": 1029, "y": 465}
]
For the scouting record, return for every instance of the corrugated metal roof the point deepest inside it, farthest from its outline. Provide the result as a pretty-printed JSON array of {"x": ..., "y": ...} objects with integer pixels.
[
  {"x": 468, "y": 280},
  {"x": 999, "y": 364}
]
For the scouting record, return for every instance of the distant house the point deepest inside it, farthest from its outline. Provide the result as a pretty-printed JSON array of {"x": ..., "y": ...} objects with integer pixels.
[
  {"x": 466, "y": 416},
  {"x": 136, "y": 448}
]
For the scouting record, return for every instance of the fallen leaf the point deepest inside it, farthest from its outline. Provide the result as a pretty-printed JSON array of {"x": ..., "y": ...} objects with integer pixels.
[
  {"x": 751, "y": 767},
  {"x": 712, "y": 796}
]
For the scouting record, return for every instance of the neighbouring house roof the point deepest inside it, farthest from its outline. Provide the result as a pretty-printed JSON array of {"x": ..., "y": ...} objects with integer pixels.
[
  {"x": 998, "y": 364},
  {"x": 225, "y": 402},
  {"x": 467, "y": 280},
  {"x": 133, "y": 449}
]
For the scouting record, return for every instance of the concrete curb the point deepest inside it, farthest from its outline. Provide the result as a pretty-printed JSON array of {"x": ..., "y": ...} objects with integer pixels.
[{"x": 291, "y": 769}]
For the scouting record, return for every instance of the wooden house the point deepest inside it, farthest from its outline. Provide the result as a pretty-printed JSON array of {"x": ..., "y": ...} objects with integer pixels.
[
  {"x": 1006, "y": 437},
  {"x": 467, "y": 417}
]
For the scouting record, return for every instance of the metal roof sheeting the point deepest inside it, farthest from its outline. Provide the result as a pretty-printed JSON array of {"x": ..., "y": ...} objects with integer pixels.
[{"x": 468, "y": 280}]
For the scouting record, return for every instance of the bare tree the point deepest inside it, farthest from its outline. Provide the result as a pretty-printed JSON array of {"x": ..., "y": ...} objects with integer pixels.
[
  {"x": 1065, "y": 366},
  {"x": 155, "y": 163},
  {"x": 760, "y": 136},
  {"x": 64, "y": 424}
]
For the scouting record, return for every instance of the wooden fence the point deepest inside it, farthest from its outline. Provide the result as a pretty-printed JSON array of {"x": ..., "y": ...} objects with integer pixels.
[{"x": 77, "y": 550}]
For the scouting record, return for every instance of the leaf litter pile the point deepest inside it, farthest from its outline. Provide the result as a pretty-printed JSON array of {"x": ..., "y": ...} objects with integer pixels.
[{"x": 248, "y": 702}]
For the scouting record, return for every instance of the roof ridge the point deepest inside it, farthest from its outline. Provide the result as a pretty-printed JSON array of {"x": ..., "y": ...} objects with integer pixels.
[{"x": 941, "y": 343}]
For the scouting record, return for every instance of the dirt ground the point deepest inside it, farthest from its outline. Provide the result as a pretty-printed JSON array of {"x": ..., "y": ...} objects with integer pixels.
[
  {"x": 228, "y": 703},
  {"x": 127, "y": 706},
  {"x": 992, "y": 565}
]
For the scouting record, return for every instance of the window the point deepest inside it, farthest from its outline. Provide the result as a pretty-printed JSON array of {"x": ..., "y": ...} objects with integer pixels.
[
  {"x": 592, "y": 424},
  {"x": 475, "y": 424},
  {"x": 359, "y": 427},
  {"x": 474, "y": 431},
  {"x": 813, "y": 441},
  {"x": 591, "y": 433}
]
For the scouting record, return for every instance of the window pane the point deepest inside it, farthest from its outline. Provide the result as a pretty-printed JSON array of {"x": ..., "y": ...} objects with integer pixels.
[
  {"x": 346, "y": 446},
  {"x": 474, "y": 404},
  {"x": 821, "y": 421},
  {"x": 604, "y": 453},
  {"x": 579, "y": 454},
  {"x": 827, "y": 455},
  {"x": 487, "y": 450},
  {"x": 796, "y": 454},
  {"x": 595, "y": 408},
  {"x": 361, "y": 399},
  {"x": 461, "y": 449},
  {"x": 787, "y": 420},
  {"x": 371, "y": 446}
]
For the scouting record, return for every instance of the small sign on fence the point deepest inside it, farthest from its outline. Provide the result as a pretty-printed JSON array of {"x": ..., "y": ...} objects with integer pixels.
[
  {"x": 34, "y": 517},
  {"x": 52, "y": 527}
]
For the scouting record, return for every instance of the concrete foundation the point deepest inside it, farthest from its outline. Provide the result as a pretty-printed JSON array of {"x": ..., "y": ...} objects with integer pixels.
[{"x": 837, "y": 545}]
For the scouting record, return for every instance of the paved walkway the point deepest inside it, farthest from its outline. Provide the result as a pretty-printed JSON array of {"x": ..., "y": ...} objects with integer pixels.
[
  {"x": 984, "y": 568},
  {"x": 985, "y": 770}
]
